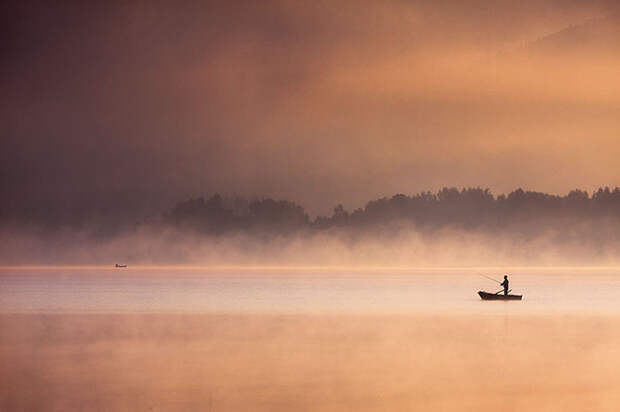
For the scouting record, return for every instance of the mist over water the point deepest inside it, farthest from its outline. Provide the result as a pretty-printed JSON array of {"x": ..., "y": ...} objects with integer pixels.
[
  {"x": 273, "y": 174},
  {"x": 271, "y": 339},
  {"x": 403, "y": 246},
  {"x": 453, "y": 227}
]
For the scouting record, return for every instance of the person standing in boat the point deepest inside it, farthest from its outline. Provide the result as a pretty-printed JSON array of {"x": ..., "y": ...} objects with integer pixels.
[{"x": 505, "y": 284}]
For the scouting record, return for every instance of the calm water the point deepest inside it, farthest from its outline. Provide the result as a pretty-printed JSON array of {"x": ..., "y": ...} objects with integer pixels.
[
  {"x": 303, "y": 291},
  {"x": 307, "y": 340}
]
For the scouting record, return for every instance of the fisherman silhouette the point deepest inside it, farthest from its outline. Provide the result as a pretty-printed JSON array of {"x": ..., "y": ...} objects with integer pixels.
[{"x": 505, "y": 284}]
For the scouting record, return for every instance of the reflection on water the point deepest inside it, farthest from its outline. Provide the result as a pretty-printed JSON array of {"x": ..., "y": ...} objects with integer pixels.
[{"x": 307, "y": 340}]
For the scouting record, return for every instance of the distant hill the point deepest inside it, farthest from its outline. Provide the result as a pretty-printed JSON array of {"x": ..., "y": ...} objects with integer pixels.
[{"x": 600, "y": 35}]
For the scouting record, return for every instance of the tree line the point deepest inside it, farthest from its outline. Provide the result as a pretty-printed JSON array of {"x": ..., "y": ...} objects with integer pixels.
[{"x": 468, "y": 208}]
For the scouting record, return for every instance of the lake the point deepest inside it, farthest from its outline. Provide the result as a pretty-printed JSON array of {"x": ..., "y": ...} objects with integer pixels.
[{"x": 329, "y": 339}]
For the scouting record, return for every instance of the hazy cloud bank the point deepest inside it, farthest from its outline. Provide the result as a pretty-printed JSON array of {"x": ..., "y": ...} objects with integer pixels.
[{"x": 406, "y": 247}]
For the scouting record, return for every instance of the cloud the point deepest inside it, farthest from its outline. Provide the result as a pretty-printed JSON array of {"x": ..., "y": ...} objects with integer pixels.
[{"x": 126, "y": 108}]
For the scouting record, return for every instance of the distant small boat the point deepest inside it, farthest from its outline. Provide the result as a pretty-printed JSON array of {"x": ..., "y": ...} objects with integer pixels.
[
  {"x": 120, "y": 266},
  {"x": 498, "y": 296}
]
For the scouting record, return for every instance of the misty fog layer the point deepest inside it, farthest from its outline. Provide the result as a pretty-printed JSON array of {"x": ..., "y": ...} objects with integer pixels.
[
  {"x": 121, "y": 109},
  {"x": 452, "y": 227}
]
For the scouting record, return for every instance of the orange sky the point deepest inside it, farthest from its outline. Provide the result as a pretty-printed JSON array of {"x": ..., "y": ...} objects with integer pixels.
[{"x": 146, "y": 103}]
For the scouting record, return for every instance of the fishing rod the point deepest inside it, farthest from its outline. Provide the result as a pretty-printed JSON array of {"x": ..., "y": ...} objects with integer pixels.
[{"x": 484, "y": 276}]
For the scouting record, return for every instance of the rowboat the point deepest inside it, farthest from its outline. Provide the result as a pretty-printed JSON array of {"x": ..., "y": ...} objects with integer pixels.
[{"x": 496, "y": 296}]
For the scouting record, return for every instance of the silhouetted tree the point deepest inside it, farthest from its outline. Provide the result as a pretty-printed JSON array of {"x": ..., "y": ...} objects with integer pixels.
[
  {"x": 279, "y": 215},
  {"x": 524, "y": 212}
]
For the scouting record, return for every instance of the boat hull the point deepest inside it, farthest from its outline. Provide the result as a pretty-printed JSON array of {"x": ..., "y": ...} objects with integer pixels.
[{"x": 493, "y": 296}]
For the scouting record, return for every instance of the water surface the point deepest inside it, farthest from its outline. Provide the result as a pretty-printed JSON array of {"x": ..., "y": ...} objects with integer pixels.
[
  {"x": 307, "y": 339},
  {"x": 337, "y": 291}
]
